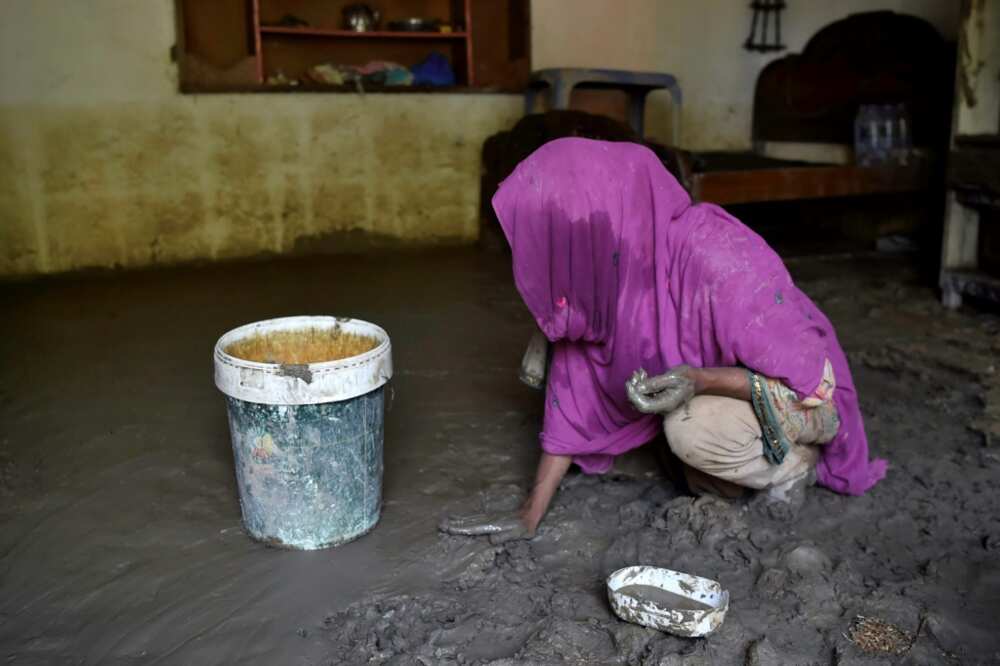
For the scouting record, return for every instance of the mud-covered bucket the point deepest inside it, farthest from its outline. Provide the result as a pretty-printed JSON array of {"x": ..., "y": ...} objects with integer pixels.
[{"x": 307, "y": 437}]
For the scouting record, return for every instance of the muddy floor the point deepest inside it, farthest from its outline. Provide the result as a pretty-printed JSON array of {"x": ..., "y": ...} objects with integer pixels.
[{"x": 120, "y": 537}]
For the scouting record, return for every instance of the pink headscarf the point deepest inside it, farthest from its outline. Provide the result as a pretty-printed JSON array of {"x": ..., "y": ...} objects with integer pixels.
[{"x": 622, "y": 272}]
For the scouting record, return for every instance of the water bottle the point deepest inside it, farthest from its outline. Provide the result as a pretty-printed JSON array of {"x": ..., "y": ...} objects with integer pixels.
[
  {"x": 863, "y": 140},
  {"x": 903, "y": 139},
  {"x": 886, "y": 135}
]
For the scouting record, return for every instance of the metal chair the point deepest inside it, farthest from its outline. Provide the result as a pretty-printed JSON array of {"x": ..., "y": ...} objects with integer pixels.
[{"x": 562, "y": 80}]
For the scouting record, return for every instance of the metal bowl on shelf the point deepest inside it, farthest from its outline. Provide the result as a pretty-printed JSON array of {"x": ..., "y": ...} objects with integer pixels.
[
  {"x": 361, "y": 18},
  {"x": 414, "y": 24}
]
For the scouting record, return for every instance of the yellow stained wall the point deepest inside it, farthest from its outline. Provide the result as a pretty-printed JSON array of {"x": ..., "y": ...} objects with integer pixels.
[{"x": 103, "y": 163}]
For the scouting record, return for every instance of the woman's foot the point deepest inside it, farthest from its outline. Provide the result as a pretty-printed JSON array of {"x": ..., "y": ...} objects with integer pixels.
[{"x": 782, "y": 501}]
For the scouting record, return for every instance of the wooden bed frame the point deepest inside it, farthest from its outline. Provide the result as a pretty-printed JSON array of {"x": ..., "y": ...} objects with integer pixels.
[{"x": 812, "y": 98}]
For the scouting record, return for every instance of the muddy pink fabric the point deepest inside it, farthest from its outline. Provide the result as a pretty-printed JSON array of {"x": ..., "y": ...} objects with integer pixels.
[{"x": 622, "y": 272}]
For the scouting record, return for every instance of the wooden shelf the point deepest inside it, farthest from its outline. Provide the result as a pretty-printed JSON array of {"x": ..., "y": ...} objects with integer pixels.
[
  {"x": 318, "y": 89},
  {"x": 238, "y": 45},
  {"x": 985, "y": 140},
  {"x": 350, "y": 34},
  {"x": 811, "y": 182},
  {"x": 321, "y": 43}
]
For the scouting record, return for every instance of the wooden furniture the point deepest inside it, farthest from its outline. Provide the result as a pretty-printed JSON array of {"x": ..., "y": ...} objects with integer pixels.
[
  {"x": 972, "y": 207},
  {"x": 812, "y": 98},
  {"x": 768, "y": 179},
  {"x": 291, "y": 50},
  {"x": 270, "y": 45}
]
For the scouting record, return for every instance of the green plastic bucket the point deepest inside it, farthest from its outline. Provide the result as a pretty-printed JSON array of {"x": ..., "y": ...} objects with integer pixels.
[{"x": 307, "y": 439}]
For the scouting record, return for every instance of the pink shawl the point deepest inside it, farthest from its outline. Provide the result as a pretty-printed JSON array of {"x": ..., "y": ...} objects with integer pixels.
[{"x": 621, "y": 271}]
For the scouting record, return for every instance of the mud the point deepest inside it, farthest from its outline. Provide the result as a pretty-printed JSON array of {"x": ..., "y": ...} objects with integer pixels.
[
  {"x": 120, "y": 540},
  {"x": 649, "y": 594},
  {"x": 916, "y": 552},
  {"x": 301, "y": 347}
]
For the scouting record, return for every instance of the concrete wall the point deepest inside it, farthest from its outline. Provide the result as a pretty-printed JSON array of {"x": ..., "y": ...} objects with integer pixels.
[
  {"x": 978, "y": 105},
  {"x": 700, "y": 42},
  {"x": 103, "y": 163}
]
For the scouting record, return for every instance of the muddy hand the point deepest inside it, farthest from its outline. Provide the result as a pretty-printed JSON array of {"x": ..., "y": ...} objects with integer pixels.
[
  {"x": 661, "y": 394},
  {"x": 499, "y": 527}
]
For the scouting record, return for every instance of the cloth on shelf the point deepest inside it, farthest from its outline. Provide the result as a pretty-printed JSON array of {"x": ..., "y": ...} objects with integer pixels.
[
  {"x": 374, "y": 73},
  {"x": 434, "y": 70},
  {"x": 376, "y": 66},
  {"x": 327, "y": 73},
  {"x": 279, "y": 79}
]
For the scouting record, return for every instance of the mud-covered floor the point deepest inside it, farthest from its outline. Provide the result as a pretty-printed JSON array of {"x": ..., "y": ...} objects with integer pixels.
[{"x": 120, "y": 538}]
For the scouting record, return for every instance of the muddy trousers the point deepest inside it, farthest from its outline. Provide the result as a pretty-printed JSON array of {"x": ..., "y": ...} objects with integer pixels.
[{"x": 719, "y": 441}]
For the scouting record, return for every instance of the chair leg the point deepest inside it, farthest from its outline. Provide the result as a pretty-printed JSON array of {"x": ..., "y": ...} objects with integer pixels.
[{"x": 637, "y": 111}]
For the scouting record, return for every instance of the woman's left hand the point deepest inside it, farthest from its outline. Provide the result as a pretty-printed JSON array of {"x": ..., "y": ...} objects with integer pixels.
[{"x": 661, "y": 394}]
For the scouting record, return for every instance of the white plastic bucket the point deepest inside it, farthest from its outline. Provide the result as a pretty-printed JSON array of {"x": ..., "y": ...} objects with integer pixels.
[{"x": 307, "y": 438}]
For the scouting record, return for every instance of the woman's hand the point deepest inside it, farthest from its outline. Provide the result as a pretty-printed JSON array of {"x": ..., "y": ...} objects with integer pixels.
[
  {"x": 499, "y": 527},
  {"x": 512, "y": 525},
  {"x": 664, "y": 393}
]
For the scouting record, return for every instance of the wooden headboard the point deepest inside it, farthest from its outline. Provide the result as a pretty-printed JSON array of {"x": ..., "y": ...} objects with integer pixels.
[{"x": 873, "y": 57}]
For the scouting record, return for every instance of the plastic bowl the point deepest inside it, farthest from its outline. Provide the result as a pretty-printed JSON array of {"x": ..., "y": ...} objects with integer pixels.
[{"x": 692, "y": 606}]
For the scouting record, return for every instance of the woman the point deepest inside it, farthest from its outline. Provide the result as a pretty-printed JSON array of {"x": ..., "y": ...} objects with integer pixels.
[{"x": 627, "y": 278}]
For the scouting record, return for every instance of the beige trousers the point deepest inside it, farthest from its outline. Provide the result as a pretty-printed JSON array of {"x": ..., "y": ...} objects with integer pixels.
[{"x": 719, "y": 441}]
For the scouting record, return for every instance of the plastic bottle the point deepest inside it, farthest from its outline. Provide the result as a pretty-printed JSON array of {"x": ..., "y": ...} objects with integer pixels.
[
  {"x": 890, "y": 137},
  {"x": 904, "y": 140},
  {"x": 863, "y": 140}
]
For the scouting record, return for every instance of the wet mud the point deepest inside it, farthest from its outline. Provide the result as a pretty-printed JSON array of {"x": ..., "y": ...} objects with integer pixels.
[
  {"x": 121, "y": 540},
  {"x": 919, "y": 553},
  {"x": 650, "y": 594}
]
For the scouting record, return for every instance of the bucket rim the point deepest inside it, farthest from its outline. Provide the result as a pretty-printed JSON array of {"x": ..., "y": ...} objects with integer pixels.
[
  {"x": 303, "y": 383},
  {"x": 278, "y": 324}
]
